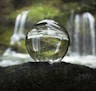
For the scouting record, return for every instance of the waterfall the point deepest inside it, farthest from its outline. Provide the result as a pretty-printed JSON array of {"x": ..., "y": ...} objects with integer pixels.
[
  {"x": 76, "y": 34},
  {"x": 70, "y": 28},
  {"x": 11, "y": 57},
  {"x": 19, "y": 28},
  {"x": 18, "y": 32},
  {"x": 87, "y": 17},
  {"x": 82, "y": 34}
]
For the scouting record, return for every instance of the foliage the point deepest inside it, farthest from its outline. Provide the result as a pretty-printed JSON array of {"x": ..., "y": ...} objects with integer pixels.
[
  {"x": 71, "y": 6},
  {"x": 39, "y": 12}
]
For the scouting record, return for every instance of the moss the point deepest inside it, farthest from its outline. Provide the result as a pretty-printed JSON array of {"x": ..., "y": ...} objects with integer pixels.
[
  {"x": 62, "y": 19},
  {"x": 69, "y": 6},
  {"x": 6, "y": 33},
  {"x": 5, "y": 37},
  {"x": 49, "y": 53},
  {"x": 14, "y": 14},
  {"x": 39, "y": 12}
]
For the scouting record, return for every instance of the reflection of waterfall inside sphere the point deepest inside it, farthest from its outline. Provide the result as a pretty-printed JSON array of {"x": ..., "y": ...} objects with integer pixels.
[
  {"x": 47, "y": 41},
  {"x": 82, "y": 32}
]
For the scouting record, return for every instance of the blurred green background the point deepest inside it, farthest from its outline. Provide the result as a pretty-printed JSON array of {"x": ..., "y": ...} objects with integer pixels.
[{"x": 58, "y": 10}]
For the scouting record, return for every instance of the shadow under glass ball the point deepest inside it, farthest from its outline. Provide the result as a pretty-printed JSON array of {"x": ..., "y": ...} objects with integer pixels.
[{"x": 47, "y": 41}]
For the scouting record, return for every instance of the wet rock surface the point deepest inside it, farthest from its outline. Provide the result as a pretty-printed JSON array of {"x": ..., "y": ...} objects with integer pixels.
[{"x": 47, "y": 77}]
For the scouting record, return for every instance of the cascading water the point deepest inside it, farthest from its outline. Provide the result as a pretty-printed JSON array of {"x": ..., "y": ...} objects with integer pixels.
[
  {"x": 83, "y": 35},
  {"x": 18, "y": 31},
  {"x": 11, "y": 57},
  {"x": 15, "y": 37},
  {"x": 87, "y": 17},
  {"x": 19, "y": 28},
  {"x": 83, "y": 39},
  {"x": 76, "y": 34}
]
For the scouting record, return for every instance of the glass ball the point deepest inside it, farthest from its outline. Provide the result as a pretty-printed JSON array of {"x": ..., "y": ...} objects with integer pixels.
[{"x": 47, "y": 41}]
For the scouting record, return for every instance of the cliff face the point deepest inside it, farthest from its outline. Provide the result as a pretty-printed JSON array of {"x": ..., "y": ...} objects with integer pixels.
[{"x": 46, "y": 77}]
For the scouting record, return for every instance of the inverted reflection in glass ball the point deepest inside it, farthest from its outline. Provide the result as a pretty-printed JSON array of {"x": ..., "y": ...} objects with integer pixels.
[{"x": 47, "y": 41}]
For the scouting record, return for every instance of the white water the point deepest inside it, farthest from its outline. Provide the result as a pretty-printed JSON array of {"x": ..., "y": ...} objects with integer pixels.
[
  {"x": 76, "y": 34},
  {"x": 10, "y": 57},
  {"x": 88, "y": 17},
  {"x": 82, "y": 34},
  {"x": 83, "y": 40},
  {"x": 89, "y": 60},
  {"x": 17, "y": 58},
  {"x": 18, "y": 33}
]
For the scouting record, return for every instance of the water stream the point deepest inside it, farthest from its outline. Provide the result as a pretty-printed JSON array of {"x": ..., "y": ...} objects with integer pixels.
[
  {"x": 18, "y": 32},
  {"x": 81, "y": 28},
  {"x": 82, "y": 33},
  {"x": 11, "y": 57}
]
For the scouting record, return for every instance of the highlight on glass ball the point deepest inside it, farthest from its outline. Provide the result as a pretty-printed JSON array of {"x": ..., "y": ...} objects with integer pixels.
[{"x": 47, "y": 41}]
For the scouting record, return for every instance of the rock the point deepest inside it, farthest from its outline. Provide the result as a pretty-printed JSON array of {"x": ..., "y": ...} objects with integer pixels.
[{"x": 47, "y": 77}]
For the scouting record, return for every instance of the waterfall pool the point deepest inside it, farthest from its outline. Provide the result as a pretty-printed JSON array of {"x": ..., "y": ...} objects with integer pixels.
[
  {"x": 19, "y": 58},
  {"x": 88, "y": 60},
  {"x": 14, "y": 59}
]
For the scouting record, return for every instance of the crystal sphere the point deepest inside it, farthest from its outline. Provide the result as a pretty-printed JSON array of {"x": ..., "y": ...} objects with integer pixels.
[{"x": 47, "y": 41}]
